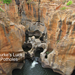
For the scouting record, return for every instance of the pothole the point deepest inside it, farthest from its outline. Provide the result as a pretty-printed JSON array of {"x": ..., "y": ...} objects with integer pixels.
[
  {"x": 27, "y": 46},
  {"x": 16, "y": 70},
  {"x": 46, "y": 56},
  {"x": 37, "y": 34},
  {"x": 38, "y": 51},
  {"x": 36, "y": 39},
  {"x": 73, "y": 73}
]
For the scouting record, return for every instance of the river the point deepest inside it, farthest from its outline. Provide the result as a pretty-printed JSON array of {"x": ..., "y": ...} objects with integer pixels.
[{"x": 33, "y": 68}]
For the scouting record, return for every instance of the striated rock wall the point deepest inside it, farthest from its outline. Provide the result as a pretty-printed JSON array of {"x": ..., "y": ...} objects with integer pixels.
[
  {"x": 60, "y": 30},
  {"x": 12, "y": 11},
  {"x": 61, "y": 56},
  {"x": 12, "y": 36}
]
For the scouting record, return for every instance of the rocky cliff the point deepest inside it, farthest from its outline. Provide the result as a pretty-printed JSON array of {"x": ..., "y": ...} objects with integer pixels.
[
  {"x": 12, "y": 37},
  {"x": 59, "y": 20},
  {"x": 60, "y": 31}
]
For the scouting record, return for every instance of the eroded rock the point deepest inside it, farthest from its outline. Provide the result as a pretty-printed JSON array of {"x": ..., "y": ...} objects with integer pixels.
[
  {"x": 60, "y": 31},
  {"x": 62, "y": 58},
  {"x": 12, "y": 37},
  {"x": 37, "y": 37}
]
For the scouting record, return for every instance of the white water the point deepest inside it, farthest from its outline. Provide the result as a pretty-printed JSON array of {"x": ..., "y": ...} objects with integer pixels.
[{"x": 33, "y": 64}]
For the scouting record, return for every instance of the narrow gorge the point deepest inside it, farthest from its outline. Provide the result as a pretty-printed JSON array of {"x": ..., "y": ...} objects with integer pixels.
[{"x": 42, "y": 32}]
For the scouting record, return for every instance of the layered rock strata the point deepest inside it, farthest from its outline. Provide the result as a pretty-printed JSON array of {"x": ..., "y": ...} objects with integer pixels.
[
  {"x": 12, "y": 37},
  {"x": 60, "y": 26},
  {"x": 60, "y": 31}
]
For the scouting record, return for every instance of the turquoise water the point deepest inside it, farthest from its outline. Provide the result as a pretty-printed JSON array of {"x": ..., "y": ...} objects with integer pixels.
[{"x": 37, "y": 70}]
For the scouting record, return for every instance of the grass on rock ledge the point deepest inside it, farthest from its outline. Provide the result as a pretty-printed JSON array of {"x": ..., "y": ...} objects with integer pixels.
[{"x": 69, "y": 3}]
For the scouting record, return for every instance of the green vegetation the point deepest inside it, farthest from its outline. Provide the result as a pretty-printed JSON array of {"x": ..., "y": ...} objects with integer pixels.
[
  {"x": 7, "y": 1},
  {"x": 1, "y": 4},
  {"x": 63, "y": 8},
  {"x": 69, "y": 3},
  {"x": 47, "y": 52},
  {"x": 57, "y": 41},
  {"x": 1, "y": 10}
]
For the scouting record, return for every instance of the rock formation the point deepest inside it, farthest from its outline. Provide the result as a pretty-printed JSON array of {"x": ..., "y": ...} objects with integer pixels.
[
  {"x": 62, "y": 55},
  {"x": 12, "y": 37},
  {"x": 60, "y": 33},
  {"x": 58, "y": 18}
]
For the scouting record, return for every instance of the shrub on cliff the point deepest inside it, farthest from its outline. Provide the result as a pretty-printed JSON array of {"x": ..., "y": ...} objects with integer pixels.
[
  {"x": 57, "y": 41},
  {"x": 69, "y": 3},
  {"x": 7, "y": 1},
  {"x": 63, "y": 8}
]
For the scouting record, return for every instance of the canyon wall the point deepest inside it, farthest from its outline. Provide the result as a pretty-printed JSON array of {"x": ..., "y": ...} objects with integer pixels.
[
  {"x": 60, "y": 25},
  {"x": 12, "y": 37}
]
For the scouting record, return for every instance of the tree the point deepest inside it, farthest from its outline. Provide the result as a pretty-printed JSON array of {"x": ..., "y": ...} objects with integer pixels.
[{"x": 7, "y": 1}]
